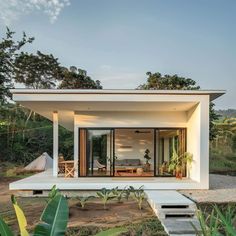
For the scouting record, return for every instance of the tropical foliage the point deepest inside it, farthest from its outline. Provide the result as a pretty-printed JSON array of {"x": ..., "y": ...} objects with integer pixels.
[
  {"x": 83, "y": 200},
  {"x": 218, "y": 223},
  {"x": 53, "y": 220},
  {"x": 120, "y": 193},
  {"x": 159, "y": 81},
  {"x": 106, "y": 195},
  {"x": 138, "y": 195},
  {"x": 38, "y": 71},
  {"x": 75, "y": 78},
  {"x": 9, "y": 50},
  {"x": 225, "y": 135}
]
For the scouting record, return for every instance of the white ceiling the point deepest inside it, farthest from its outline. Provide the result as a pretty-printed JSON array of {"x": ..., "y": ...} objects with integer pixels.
[{"x": 66, "y": 110}]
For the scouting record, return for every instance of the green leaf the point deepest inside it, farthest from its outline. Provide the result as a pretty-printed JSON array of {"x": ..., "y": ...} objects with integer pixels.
[
  {"x": 54, "y": 218},
  {"x": 54, "y": 191},
  {"x": 100, "y": 195},
  {"x": 112, "y": 232},
  {"x": 4, "y": 229},
  {"x": 20, "y": 217},
  {"x": 229, "y": 228}
]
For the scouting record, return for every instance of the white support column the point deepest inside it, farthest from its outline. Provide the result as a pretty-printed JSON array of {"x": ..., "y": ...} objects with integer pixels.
[
  {"x": 76, "y": 149},
  {"x": 55, "y": 143},
  {"x": 204, "y": 163}
]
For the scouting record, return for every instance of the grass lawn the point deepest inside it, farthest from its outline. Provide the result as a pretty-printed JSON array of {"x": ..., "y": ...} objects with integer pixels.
[{"x": 221, "y": 162}]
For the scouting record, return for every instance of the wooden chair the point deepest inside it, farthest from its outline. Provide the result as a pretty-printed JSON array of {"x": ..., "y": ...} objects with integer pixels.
[
  {"x": 69, "y": 170},
  {"x": 61, "y": 166}
]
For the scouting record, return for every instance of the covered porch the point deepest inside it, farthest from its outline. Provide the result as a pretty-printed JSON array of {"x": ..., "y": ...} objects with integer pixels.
[{"x": 116, "y": 111}]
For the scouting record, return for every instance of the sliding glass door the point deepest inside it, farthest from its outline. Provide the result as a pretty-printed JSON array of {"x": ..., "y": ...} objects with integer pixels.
[
  {"x": 99, "y": 152},
  {"x": 129, "y": 152}
]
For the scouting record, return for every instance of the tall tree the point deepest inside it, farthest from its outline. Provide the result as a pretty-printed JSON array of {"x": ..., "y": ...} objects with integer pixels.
[
  {"x": 74, "y": 78},
  {"x": 158, "y": 81},
  {"x": 213, "y": 117},
  {"x": 9, "y": 50},
  {"x": 37, "y": 70}
]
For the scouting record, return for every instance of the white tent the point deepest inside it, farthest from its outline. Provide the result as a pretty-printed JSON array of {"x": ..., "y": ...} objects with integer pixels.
[{"x": 41, "y": 163}]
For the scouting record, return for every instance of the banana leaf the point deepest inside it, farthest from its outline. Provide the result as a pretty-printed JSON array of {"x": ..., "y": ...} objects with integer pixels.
[
  {"x": 54, "y": 218},
  {"x": 20, "y": 217},
  {"x": 4, "y": 229}
]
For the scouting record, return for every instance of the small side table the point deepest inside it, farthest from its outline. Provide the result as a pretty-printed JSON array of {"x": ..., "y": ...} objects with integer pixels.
[{"x": 139, "y": 171}]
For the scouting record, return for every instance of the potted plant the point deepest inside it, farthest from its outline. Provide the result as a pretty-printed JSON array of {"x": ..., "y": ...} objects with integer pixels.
[
  {"x": 187, "y": 159},
  {"x": 175, "y": 165},
  {"x": 147, "y": 157},
  {"x": 178, "y": 163}
]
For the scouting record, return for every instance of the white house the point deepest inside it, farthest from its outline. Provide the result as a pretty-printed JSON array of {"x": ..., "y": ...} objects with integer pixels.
[{"x": 112, "y": 130}]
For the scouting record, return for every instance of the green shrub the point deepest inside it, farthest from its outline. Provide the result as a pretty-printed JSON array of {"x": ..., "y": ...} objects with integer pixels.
[
  {"x": 83, "y": 200},
  {"x": 221, "y": 221},
  {"x": 148, "y": 227},
  {"x": 11, "y": 172},
  {"x": 105, "y": 195},
  {"x": 53, "y": 220},
  {"x": 138, "y": 195}
]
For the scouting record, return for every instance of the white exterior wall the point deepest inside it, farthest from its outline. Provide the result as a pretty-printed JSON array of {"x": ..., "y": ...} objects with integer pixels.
[
  {"x": 134, "y": 119},
  {"x": 198, "y": 142}
]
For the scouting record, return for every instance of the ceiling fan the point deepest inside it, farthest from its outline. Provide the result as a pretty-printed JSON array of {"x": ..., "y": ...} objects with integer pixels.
[{"x": 142, "y": 132}]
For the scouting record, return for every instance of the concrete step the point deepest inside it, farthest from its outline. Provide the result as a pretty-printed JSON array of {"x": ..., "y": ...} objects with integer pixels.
[
  {"x": 168, "y": 197},
  {"x": 180, "y": 226},
  {"x": 176, "y": 212}
]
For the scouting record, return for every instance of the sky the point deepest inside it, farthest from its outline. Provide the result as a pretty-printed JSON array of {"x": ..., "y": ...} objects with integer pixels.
[{"x": 117, "y": 42}]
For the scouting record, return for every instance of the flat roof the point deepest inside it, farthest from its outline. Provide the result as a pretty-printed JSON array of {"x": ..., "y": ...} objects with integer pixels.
[
  {"x": 69, "y": 101},
  {"x": 212, "y": 93}
]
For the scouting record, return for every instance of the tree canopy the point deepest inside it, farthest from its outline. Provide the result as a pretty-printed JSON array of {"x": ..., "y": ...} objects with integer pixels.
[
  {"x": 9, "y": 50},
  {"x": 159, "y": 81},
  {"x": 38, "y": 71},
  {"x": 74, "y": 78}
]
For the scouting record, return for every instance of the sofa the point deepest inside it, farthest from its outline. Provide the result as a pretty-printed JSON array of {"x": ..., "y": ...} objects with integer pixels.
[{"x": 123, "y": 163}]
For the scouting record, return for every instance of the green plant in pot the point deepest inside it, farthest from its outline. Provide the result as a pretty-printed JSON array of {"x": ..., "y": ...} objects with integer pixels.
[
  {"x": 146, "y": 156},
  {"x": 175, "y": 163},
  {"x": 187, "y": 159},
  {"x": 178, "y": 163}
]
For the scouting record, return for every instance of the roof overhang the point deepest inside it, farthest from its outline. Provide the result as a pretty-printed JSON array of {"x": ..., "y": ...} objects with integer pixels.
[
  {"x": 69, "y": 101},
  {"x": 212, "y": 93}
]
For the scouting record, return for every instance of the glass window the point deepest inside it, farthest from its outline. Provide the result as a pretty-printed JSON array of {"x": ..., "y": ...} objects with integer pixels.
[{"x": 169, "y": 141}]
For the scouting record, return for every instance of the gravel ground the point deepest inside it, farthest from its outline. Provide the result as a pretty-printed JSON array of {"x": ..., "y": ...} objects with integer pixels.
[{"x": 222, "y": 189}]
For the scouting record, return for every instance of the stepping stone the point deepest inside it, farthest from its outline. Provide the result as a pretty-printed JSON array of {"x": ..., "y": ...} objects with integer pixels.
[{"x": 181, "y": 226}]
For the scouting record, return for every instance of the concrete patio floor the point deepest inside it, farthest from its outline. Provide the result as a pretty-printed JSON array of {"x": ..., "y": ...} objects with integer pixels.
[
  {"x": 222, "y": 188},
  {"x": 45, "y": 181}
]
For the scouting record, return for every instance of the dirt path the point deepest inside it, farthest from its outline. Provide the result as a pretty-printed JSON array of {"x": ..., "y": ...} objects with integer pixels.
[
  {"x": 222, "y": 189},
  {"x": 5, "y": 193}
]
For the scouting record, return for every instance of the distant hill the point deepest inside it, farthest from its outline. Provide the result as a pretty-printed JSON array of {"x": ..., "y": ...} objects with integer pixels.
[{"x": 227, "y": 113}]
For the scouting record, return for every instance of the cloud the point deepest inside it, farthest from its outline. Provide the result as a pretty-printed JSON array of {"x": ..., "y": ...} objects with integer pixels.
[{"x": 12, "y": 10}]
